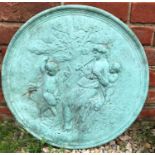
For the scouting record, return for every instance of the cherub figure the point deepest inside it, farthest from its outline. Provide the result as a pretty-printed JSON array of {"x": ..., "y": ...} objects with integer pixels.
[
  {"x": 50, "y": 88},
  {"x": 45, "y": 91},
  {"x": 114, "y": 70}
]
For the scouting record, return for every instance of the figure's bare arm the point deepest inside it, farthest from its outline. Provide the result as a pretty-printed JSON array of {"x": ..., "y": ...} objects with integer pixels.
[
  {"x": 102, "y": 78},
  {"x": 104, "y": 81}
]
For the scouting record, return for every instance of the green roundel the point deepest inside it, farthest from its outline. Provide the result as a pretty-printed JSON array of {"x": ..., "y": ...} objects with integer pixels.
[{"x": 75, "y": 76}]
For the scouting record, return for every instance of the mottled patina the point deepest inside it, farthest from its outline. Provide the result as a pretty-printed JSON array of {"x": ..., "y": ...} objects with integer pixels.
[{"x": 75, "y": 76}]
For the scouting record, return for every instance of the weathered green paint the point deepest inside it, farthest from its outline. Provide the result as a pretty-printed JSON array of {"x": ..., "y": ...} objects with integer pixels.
[{"x": 75, "y": 76}]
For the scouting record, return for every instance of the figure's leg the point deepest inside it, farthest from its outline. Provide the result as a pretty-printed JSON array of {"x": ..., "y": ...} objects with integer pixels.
[
  {"x": 109, "y": 92},
  {"x": 49, "y": 98},
  {"x": 53, "y": 110},
  {"x": 67, "y": 116},
  {"x": 42, "y": 110}
]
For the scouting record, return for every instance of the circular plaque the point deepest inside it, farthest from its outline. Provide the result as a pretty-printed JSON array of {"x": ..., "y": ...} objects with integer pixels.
[{"x": 75, "y": 76}]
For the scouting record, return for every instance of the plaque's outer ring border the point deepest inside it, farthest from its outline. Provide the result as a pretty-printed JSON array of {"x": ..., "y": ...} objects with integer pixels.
[{"x": 89, "y": 9}]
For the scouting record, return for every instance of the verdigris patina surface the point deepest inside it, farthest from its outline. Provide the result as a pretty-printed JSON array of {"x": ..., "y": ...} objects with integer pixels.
[{"x": 75, "y": 76}]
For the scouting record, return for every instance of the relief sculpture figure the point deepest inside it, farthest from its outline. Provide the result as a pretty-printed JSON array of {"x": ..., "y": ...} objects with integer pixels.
[
  {"x": 50, "y": 91},
  {"x": 95, "y": 85},
  {"x": 114, "y": 71},
  {"x": 46, "y": 88},
  {"x": 95, "y": 77}
]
